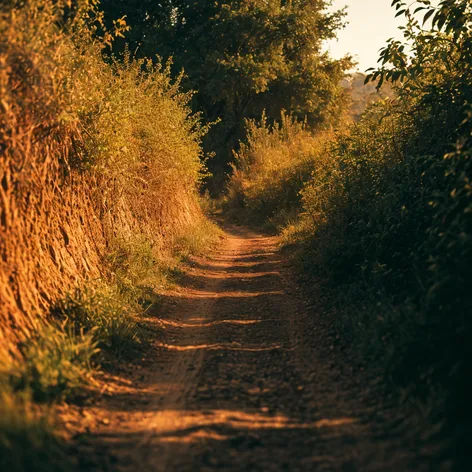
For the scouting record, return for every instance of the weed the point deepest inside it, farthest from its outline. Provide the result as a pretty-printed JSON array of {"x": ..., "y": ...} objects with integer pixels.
[{"x": 101, "y": 312}]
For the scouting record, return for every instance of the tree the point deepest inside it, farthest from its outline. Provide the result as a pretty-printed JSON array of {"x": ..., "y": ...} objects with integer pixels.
[
  {"x": 243, "y": 57},
  {"x": 447, "y": 41}
]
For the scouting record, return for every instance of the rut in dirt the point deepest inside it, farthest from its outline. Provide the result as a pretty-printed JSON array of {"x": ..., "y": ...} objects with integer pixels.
[{"x": 247, "y": 379}]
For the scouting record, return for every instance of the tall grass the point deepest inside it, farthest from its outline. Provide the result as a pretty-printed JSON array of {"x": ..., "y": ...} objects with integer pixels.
[
  {"x": 102, "y": 312},
  {"x": 56, "y": 364},
  {"x": 270, "y": 169}
]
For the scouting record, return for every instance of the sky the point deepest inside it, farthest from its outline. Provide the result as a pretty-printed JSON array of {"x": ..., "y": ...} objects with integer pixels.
[{"x": 371, "y": 23}]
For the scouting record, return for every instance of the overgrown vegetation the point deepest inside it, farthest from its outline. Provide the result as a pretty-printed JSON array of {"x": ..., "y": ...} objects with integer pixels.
[
  {"x": 100, "y": 169},
  {"x": 28, "y": 440},
  {"x": 102, "y": 312},
  {"x": 56, "y": 364},
  {"x": 243, "y": 57},
  {"x": 102, "y": 163},
  {"x": 270, "y": 170},
  {"x": 386, "y": 216}
]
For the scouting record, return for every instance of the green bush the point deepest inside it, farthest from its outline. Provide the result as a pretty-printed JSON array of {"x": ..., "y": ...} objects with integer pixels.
[
  {"x": 388, "y": 222},
  {"x": 270, "y": 170},
  {"x": 390, "y": 217}
]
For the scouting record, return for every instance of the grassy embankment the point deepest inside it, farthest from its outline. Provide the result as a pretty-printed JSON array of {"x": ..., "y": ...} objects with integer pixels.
[
  {"x": 100, "y": 165},
  {"x": 383, "y": 219}
]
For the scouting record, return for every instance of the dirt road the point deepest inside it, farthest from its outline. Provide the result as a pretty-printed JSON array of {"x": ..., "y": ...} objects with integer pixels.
[{"x": 247, "y": 377}]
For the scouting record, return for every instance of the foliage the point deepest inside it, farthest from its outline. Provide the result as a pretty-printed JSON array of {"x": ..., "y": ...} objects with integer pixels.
[
  {"x": 271, "y": 168},
  {"x": 199, "y": 241},
  {"x": 55, "y": 365},
  {"x": 447, "y": 43},
  {"x": 243, "y": 57},
  {"x": 109, "y": 108},
  {"x": 91, "y": 147},
  {"x": 388, "y": 223},
  {"x": 108, "y": 147}
]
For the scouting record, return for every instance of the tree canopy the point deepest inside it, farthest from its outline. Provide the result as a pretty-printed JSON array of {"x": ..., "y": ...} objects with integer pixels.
[{"x": 243, "y": 57}]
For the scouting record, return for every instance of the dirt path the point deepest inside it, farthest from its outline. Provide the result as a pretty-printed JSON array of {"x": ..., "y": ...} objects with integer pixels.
[{"x": 247, "y": 378}]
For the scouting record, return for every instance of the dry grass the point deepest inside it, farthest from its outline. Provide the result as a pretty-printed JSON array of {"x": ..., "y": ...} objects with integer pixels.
[
  {"x": 91, "y": 152},
  {"x": 271, "y": 169}
]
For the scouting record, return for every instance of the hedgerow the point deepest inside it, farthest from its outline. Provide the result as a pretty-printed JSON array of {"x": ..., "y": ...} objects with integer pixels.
[
  {"x": 389, "y": 224},
  {"x": 270, "y": 170}
]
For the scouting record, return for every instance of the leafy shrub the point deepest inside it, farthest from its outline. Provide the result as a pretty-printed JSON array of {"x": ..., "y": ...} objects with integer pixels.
[{"x": 388, "y": 223}]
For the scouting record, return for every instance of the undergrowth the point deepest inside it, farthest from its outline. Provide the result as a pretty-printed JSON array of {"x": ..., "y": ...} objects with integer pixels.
[
  {"x": 199, "y": 240},
  {"x": 270, "y": 169},
  {"x": 101, "y": 312},
  {"x": 100, "y": 169},
  {"x": 56, "y": 364}
]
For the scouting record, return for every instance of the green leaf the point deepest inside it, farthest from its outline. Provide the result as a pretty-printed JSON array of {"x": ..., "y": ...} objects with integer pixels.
[{"x": 428, "y": 16}]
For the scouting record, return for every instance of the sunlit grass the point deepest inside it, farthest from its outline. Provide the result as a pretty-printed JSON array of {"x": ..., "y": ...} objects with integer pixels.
[{"x": 103, "y": 313}]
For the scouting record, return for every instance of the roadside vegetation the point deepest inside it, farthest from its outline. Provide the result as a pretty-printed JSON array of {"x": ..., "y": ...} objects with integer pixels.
[
  {"x": 242, "y": 58},
  {"x": 100, "y": 170},
  {"x": 270, "y": 169},
  {"x": 385, "y": 218},
  {"x": 105, "y": 145}
]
